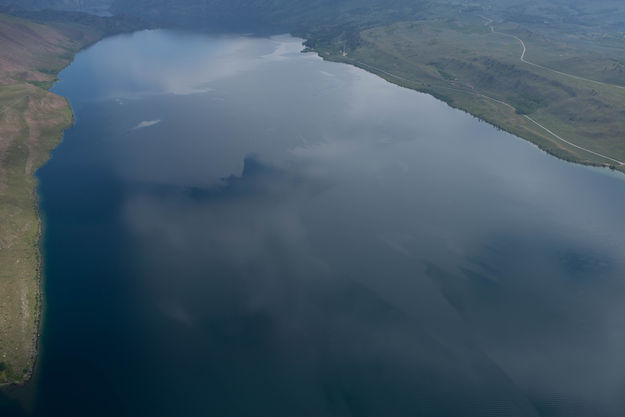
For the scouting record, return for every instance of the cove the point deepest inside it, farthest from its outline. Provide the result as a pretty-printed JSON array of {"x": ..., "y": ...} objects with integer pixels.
[{"x": 234, "y": 228}]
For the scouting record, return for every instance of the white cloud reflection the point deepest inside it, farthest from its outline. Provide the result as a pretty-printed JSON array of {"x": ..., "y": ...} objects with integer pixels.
[
  {"x": 191, "y": 66},
  {"x": 146, "y": 123}
]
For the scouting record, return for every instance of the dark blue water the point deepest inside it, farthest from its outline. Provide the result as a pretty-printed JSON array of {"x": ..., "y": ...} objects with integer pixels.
[{"x": 234, "y": 228}]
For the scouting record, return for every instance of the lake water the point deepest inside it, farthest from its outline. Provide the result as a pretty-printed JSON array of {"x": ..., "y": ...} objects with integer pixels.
[{"x": 234, "y": 228}]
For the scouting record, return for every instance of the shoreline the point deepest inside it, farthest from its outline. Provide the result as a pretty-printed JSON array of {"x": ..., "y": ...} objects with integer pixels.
[
  {"x": 43, "y": 119},
  {"x": 40, "y": 276},
  {"x": 567, "y": 156},
  {"x": 34, "y": 356}
]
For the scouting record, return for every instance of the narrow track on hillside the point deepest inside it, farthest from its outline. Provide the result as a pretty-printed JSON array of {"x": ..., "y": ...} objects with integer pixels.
[{"x": 525, "y": 61}]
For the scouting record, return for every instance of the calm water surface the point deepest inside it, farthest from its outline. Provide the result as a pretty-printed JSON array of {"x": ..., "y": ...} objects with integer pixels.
[{"x": 234, "y": 228}]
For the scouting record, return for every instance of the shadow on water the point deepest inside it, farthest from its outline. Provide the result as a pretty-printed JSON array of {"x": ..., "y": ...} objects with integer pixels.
[{"x": 9, "y": 406}]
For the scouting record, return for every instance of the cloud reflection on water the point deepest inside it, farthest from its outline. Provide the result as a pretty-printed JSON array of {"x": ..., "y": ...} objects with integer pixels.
[{"x": 344, "y": 246}]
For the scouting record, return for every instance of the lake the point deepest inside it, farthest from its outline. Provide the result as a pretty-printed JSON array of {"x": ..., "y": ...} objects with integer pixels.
[{"x": 236, "y": 228}]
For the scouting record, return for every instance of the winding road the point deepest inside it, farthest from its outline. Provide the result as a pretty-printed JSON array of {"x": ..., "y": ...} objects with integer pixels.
[{"x": 522, "y": 58}]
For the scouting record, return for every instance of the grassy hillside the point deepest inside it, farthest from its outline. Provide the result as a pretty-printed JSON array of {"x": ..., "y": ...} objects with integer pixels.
[{"x": 32, "y": 121}]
